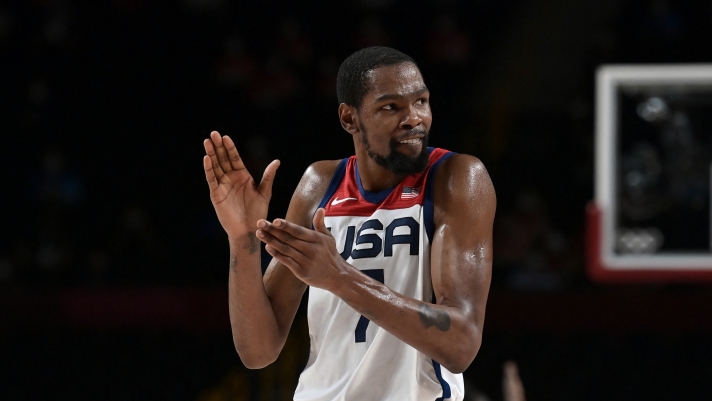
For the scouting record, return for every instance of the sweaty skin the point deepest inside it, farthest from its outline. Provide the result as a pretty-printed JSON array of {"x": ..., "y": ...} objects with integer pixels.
[
  {"x": 262, "y": 309},
  {"x": 450, "y": 331}
]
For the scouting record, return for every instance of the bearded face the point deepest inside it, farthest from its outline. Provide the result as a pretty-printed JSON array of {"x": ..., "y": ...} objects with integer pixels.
[{"x": 395, "y": 161}]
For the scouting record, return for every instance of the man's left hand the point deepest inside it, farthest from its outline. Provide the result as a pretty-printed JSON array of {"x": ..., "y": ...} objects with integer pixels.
[{"x": 310, "y": 254}]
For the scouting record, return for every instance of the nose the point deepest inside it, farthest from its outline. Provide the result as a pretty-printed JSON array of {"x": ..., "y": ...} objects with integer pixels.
[{"x": 412, "y": 118}]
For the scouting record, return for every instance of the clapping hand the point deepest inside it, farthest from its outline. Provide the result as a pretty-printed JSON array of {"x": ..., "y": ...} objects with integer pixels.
[{"x": 238, "y": 200}]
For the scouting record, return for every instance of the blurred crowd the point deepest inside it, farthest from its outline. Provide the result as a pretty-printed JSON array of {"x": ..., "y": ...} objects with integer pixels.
[{"x": 106, "y": 104}]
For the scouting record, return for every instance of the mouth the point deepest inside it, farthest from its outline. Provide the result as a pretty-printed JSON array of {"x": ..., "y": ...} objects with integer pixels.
[{"x": 413, "y": 136}]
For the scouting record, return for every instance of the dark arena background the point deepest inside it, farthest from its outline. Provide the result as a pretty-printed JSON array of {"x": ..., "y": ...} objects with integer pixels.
[{"x": 113, "y": 266}]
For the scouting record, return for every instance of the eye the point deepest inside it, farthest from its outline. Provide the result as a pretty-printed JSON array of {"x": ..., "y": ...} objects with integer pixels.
[
  {"x": 389, "y": 107},
  {"x": 421, "y": 101}
]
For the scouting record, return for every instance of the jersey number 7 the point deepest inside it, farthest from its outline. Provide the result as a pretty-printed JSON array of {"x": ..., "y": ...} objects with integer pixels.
[{"x": 362, "y": 325}]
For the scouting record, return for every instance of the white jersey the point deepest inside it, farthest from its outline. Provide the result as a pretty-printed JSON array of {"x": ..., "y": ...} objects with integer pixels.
[{"x": 387, "y": 236}]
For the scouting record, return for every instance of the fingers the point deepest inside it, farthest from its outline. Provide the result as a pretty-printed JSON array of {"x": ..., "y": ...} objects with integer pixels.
[
  {"x": 510, "y": 369},
  {"x": 292, "y": 264},
  {"x": 512, "y": 386},
  {"x": 269, "y": 231},
  {"x": 210, "y": 173},
  {"x": 294, "y": 230},
  {"x": 233, "y": 156},
  {"x": 265, "y": 187},
  {"x": 221, "y": 151},
  {"x": 318, "y": 222},
  {"x": 281, "y": 244},
  {"x": 210, "y": 151}
]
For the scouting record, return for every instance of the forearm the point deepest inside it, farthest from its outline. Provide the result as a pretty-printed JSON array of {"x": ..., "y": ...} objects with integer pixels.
[
  {"x": 444, "y": 333},
  {"x": 255, "y": 331}
]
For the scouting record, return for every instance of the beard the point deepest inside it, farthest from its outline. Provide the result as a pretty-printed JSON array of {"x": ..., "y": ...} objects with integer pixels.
[{"x": 397, "y": 162}]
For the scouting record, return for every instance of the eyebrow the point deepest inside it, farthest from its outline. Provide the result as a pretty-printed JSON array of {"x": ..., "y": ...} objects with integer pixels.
[{"x": 393, "y": 96}]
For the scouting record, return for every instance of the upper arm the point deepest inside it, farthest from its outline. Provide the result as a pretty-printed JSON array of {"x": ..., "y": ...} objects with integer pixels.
[
  {"x": 283, "y": 288},
  {"x": 461, "y": 252}
]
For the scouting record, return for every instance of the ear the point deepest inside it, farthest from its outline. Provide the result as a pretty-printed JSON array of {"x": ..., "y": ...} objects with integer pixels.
[{"x": 348, "y": 118}]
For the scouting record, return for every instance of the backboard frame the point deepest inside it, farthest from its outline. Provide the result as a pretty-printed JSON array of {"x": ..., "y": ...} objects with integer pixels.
[{"x": 603, "y": 264}]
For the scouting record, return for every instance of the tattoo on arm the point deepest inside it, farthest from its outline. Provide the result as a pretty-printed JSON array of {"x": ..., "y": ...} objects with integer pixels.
[
  {"x": 431, "y": 317},
  {"x": 253, "y": 244},
  {"x": 233, "y": 261}
]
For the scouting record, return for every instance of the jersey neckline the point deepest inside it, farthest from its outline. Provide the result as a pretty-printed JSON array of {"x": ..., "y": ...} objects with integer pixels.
[{"x": 376, "y": 197}]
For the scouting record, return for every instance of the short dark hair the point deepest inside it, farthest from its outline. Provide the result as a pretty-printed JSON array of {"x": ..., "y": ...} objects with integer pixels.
[{"x": 352, "y": 80}]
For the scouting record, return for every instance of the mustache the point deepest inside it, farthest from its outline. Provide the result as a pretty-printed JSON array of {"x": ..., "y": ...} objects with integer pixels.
[{"x": 411, "y": 133}]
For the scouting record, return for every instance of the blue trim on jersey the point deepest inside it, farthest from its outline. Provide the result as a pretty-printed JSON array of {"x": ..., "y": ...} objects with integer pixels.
[
  {"x": 428, "y": 205},
  {"x": 375, "y": 197},
  {"x": 334, "y": 183},
  {"x": 372, "y": 197},
  {"x": 443, "y": 383}
]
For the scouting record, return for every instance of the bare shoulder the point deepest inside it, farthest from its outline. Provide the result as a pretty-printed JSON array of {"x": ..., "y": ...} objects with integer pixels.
[
  {"x": 462, "y": 181},
  {"x": 320, "y": 171},
  {"x": 283, "y": 288},
  {"x": 310, "y": 190},
  {"x": 305, "y": 200}
]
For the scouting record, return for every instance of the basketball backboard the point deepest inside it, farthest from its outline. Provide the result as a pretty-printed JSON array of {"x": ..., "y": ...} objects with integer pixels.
[{"x": 651, "y": 217}]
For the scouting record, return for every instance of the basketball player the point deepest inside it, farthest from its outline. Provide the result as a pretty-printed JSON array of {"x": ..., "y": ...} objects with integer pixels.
[{"x": 394, "y": 243}]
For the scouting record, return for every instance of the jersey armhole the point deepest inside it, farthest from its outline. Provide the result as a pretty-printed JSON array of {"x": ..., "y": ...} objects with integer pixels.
[
  {"x": 428, "y": 204},
  {"x": 333, "y": 184}
]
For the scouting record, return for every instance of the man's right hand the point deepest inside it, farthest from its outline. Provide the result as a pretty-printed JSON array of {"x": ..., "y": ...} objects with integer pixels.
[{"x": 238, "y": 200}]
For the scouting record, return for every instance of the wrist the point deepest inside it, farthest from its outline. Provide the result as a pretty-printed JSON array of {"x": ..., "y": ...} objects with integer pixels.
[
  {"x": 341, "y": 282},
  {"x": 247, "y": 242}
]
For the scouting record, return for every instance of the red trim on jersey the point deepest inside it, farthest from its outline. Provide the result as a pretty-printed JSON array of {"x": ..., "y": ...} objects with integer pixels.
[{"x": 347, "y": 200}]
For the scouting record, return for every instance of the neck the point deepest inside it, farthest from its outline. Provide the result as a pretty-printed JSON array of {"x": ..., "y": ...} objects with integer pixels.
[{"x": 374, "y": 177}]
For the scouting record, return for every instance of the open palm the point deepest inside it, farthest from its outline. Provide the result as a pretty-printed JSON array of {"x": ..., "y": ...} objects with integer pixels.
[{"x": 238, "y": 200}]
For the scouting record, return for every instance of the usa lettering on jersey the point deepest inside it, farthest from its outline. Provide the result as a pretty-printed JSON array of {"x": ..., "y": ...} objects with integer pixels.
[
  {"x": 385, "y": 235},
  {"x": 377, "y": 244}
]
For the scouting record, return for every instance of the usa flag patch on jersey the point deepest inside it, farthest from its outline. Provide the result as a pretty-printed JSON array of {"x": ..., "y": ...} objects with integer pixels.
[{"x": 409, "y": 192}]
